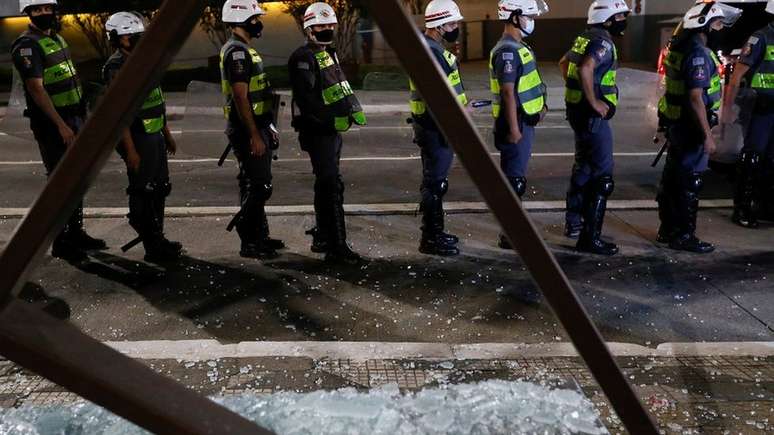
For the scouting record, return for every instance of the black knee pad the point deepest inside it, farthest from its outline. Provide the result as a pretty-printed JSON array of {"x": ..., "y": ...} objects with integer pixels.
[
  {"x": 265, "y": 191},
  {"x": 694, "y": 182},
  {"x": 162, "y": 190},
  {"x": 605, "y": 185},
  {"x": 519, "y": 185},
  {"x": 439, "y": 188}
]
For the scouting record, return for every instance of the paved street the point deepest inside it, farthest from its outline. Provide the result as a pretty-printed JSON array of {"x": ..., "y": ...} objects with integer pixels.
[{"x": 694, "y": 333}]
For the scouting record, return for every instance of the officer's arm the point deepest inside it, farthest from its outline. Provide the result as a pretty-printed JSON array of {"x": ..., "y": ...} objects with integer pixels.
[
  {"x": 303, "y": 78},
  {"x": 564, "y": 66},
  {"x": 732, "y": 90},
  {"x": 508, "y": 95},
  {"x": 244, "y": 108},
  {"x": 43, "y": 101},
  {"x": 586, "y": 72},
  {"x": 696, "y": 100}
]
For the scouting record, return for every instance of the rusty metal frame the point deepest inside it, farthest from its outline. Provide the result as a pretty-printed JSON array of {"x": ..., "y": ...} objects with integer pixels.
[
  {"x": 65, "y": 355},
  {"x": 403, "y": 36},
  {"x": 58, "y": 350}
]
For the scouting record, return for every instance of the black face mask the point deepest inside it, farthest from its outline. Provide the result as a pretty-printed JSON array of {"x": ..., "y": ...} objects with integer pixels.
[
  {"x": 617, "y": 28},
  {"x": 324, "y": 36},
  {"x": 452, "y": 36},
  {"x": 254, "y": 30},
  {"x": 133, "y": 41},
  {"x": 45, "y": 22},
  {"x": 714, "y": 39}
]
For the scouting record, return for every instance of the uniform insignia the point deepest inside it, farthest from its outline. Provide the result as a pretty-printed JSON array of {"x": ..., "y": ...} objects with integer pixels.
[
  {"x": 507, "y": 56},
  {"x": 27, "y": 62},
  {"x": 699, "y": 74},
  {"x": 606, "y": 45},
  {"x": 508, "y": 67},
  {"x": 25, "y": 52},
  {"x": 304, "y": 66},
  {"x": 747, "y": 50},
  {"x": 601, "y": 52},
  {"x": 697, "y": 61},
  {"x": 238, "y": 55},
  {"x": 753, "y": 40}
]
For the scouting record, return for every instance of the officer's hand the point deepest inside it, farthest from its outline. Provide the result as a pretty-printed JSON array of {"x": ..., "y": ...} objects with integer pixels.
[
  {"x": 171, "y": 146},
  {"x": 514, "y": 136},
  {"x": 543, "y": 113},
  {"x": 133, "y": 161},
  {"x": 709, "y": 145},
  {"x": 67, "y": 133},
  {"x": 257, "y": 146},
  {"x": 601, "y": 108}
]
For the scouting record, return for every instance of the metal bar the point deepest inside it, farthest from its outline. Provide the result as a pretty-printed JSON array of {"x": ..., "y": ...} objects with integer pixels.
[
  {"x": 404, "y": 38},
  {"x": 58, "y": 350},
  {"x": 62, "y": 353}
]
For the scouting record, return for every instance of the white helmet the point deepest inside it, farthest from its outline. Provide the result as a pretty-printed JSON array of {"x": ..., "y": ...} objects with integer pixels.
[
  {"x": 440, "y": 12},
  {"x": 239, "y": 11},
  {"x": 770, "y": 6},
  {"x": 24, "y": 4},
  {"x": 530, "y": 8},
  {"x": 702, "y": 13},
  {"x": 318, "y": 14},
  {"x": 124, "y": 23},
  {"x": 602, "y": 10}
]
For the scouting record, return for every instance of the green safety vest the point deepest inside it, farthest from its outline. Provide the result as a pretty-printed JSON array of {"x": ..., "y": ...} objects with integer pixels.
[
  {"x": 670, "y": 106},
  {"x": 337, "y": 93},
  {"x": 60, "y": 78},
  {"x": 153, "y": 112},
  {"x": 259, "y": 90},
  {"x": 607, "y": 86},
  {"x": 417, "y": 104},
  {"x": 763, "y": 78},
  {"x": 531, "y": 90}
]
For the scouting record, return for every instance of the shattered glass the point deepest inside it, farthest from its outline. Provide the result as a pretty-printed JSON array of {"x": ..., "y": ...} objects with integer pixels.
[{"x": 491, "y": 407}]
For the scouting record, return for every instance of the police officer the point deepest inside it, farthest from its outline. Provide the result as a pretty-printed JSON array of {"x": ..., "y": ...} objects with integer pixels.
[
  {"x": 518, "y": 91},
  {"x": 250, "y": 130},
  {"x": 592, "y": 96},
  {"x": 327, "y": 107},
  {"x": 688, "y": 111},
  {"x": 754, "y": 196},
  {"x": 144, "y": 147},
  {"x": 55, "y": 107},
  {"x": 442, "y": 18}
]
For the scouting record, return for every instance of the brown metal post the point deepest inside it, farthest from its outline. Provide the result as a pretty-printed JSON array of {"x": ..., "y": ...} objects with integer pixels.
[
  {"x": 56, "y": 349},
  {"x": 404, "y": 38}
]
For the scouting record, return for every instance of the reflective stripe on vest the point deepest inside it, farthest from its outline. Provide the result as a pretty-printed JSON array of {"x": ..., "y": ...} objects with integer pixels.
[
  {"x": 60, "y": 78},
  {"x": 153, "y": 113},
  {"x": 531, "y": 90},
  {"x": 764, "y": 76},
  {"x": 259, "y": 90},
  {"x": 670, "y": 106},
  {"x": 338, "y": 94},
  {"x": 607, "y": 86},
  {"x": 417, "y": 104}
]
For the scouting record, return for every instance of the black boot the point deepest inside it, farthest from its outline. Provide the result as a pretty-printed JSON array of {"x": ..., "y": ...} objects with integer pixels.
[
  {"x": 338, "y": 250},
  {"x": 159, "y": 209},
  {"x": 687, "y": 213},
  {"x": 747, "y": 185},
  {"x": 319, "y": 241},
  {"x": 275, "y": 244},
  {"x": 78, "y": 236},
  {"x": 251, "y": 234},
  {"x": 766, "y": 189},
  {"x": 66, "y": 249},
  {"x": 144, "y": 219},
  {"x": 666, "y": 207},
  {"x": 519, "y": 185},
  {"x": 594, "y": 217},
  {"x": 434, "y": 240},
  {"x": 575, "y": 201}
]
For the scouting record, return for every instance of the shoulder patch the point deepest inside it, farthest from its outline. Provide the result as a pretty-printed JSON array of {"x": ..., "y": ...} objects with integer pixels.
[
  {"x": 303, "y": 66},
  {"x": 698, "y": 61},
  {"x": 507, "y": 55},
  {"x": 607, "y": 44},
  {"x": 238, "y": 55},
  {"x": 25, "y": 51},
  {"x": 753, "y": 40},
  {"x": 508, "y": 69}
]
